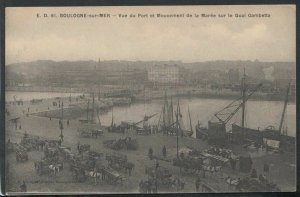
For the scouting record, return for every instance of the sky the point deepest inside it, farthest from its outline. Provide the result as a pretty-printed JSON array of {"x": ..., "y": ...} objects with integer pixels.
[{"x": 188, "y": 39}]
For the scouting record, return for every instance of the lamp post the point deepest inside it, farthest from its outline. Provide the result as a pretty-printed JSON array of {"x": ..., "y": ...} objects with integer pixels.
[
  {"x": 61, "y": 123},
  {"x": 156, "y": 167}
]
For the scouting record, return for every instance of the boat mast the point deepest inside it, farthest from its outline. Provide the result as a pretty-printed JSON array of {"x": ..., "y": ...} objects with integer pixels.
[
  {"x": 244, "y": 101},
  {"x": 177, "y": 127},
  {"x": 62, "y": 110},
  {"x": 112, "y": 116},
  {"x": 284, "y": 107},
  {"x": 171, "y": 112},
  {"x": 159, "y": 120},
  {"x": 165, "y": 109},
  {"x": 61, "y": 122}
]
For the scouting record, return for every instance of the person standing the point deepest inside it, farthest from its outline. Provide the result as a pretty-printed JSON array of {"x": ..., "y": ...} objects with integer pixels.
[
  {"x": 197, "y": 183},
  {"x": 149, "y": 187},
  {"x": 253, "y": 173},
  {"x": 23, "y": 187},
  {"x": 78, "y": 147},
  {"x": 164, "y": 151},
  {"x": 150, "y": 153}
]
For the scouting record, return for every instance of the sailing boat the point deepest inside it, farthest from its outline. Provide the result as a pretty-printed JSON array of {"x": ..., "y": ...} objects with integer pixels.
[
  {"x": 90, "y": 128},
  {"x": 168, "y": 125},
  {"x": 91, "y": 118},
  {"x": 113, "y": 127},
  {"x": 146, "y": 128},
  {"x": 269, "y": 137},
  {"x": 184, "y": 131},
  {"x": 216, "y": 131}
]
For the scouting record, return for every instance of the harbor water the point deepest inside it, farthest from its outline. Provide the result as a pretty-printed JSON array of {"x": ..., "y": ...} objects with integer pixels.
[
  {"x": 259, "y": 114},
  {"x": 27, "y": 96}
]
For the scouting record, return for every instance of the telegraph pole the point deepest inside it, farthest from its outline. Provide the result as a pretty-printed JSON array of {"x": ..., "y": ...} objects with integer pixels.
[
  {"x": 284, "y": 107},
  {"x": 177, "y": 125},
  {"x": 61, "y": 122},
  {"x": 244, "y": 102}
]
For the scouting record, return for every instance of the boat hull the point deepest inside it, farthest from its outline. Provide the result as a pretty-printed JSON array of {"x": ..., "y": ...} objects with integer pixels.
[{"x": 287, "y": 143}]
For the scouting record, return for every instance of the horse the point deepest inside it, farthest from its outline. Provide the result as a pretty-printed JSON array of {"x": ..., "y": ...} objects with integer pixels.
[
  {"x": 41, "y": 145},
  {"x": 36, "y": 164},
  {"x": 212, "y": 169},
  {"x": 95, "y": 175},
  {"x": 231, "y": 182},
  {"x": 54, "y": 169},
  {"x": 129, "y": 167}
]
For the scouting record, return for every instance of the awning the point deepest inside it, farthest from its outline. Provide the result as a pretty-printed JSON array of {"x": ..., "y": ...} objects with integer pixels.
[{"x": 271, "y": 143}]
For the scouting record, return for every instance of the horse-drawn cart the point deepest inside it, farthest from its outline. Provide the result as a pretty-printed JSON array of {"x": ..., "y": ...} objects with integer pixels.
[
  {"x": 65, "y": 152},
  {"x": 112, "y": 176},
  {"x": 162, "y": 179},
  {"x": 83, "y": 148},
  {"x": 46, "y": 167},
  {"x": 127, "y": 143},
  {"x": 41, "y": 167},
  {"x": 119, "y": 161},
  {"x": 30, "y": 142}
]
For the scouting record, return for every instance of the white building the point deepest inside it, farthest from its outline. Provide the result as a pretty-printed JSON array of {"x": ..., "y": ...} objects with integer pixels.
[{"x": 171, "y": 74}]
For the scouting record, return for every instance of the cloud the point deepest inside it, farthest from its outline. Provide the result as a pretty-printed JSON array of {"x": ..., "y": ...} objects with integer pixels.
[
  {"x": 196, "y": 39},
  {"x": 257, "y": 32}
]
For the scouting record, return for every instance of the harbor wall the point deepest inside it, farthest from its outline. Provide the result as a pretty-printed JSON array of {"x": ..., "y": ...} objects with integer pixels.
[{"x": 158, "y": 94}]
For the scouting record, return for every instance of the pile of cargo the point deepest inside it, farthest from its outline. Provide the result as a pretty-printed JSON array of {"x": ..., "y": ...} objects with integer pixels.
[
  {"x": 226, "y": 153},
  {"x": 93, "y": 155},
  {"x": 83, "y": 148},
  {"x": 189, "y": 162},
  {"x": 255, "y": 185},
  {"x": 91, "y": 164},
  {"x": 21, "y": 153},
  {"x": 89, "y": 132},
  {"x": 30, "y": 142},
  {"x": 127, "y": 144}
]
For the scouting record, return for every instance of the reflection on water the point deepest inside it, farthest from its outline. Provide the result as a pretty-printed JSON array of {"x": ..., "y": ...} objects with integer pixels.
[{"x": 259, "y": 114}]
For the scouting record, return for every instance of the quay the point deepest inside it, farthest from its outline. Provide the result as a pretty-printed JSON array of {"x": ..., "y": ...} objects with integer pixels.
[{"x": 282, "y": 170}]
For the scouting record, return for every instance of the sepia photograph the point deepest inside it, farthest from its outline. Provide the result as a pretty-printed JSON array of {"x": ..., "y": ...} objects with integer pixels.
[{"x": 150, "y": 99}]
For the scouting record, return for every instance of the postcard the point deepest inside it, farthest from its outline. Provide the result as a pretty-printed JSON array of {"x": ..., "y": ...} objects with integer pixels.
[{"x": 150, "y": 99}]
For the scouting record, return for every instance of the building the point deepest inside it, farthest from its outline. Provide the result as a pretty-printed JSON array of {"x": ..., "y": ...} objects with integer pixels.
[
  {"x": 166, "y": 74},
  {"x": 234, "y": 76},
  {"x": 284, "y": 75}
]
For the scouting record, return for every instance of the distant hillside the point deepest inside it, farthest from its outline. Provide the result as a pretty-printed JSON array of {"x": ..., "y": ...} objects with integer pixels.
[
  {"x": 225, "y": 65},
  {"x": 38, "y": 68}
]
